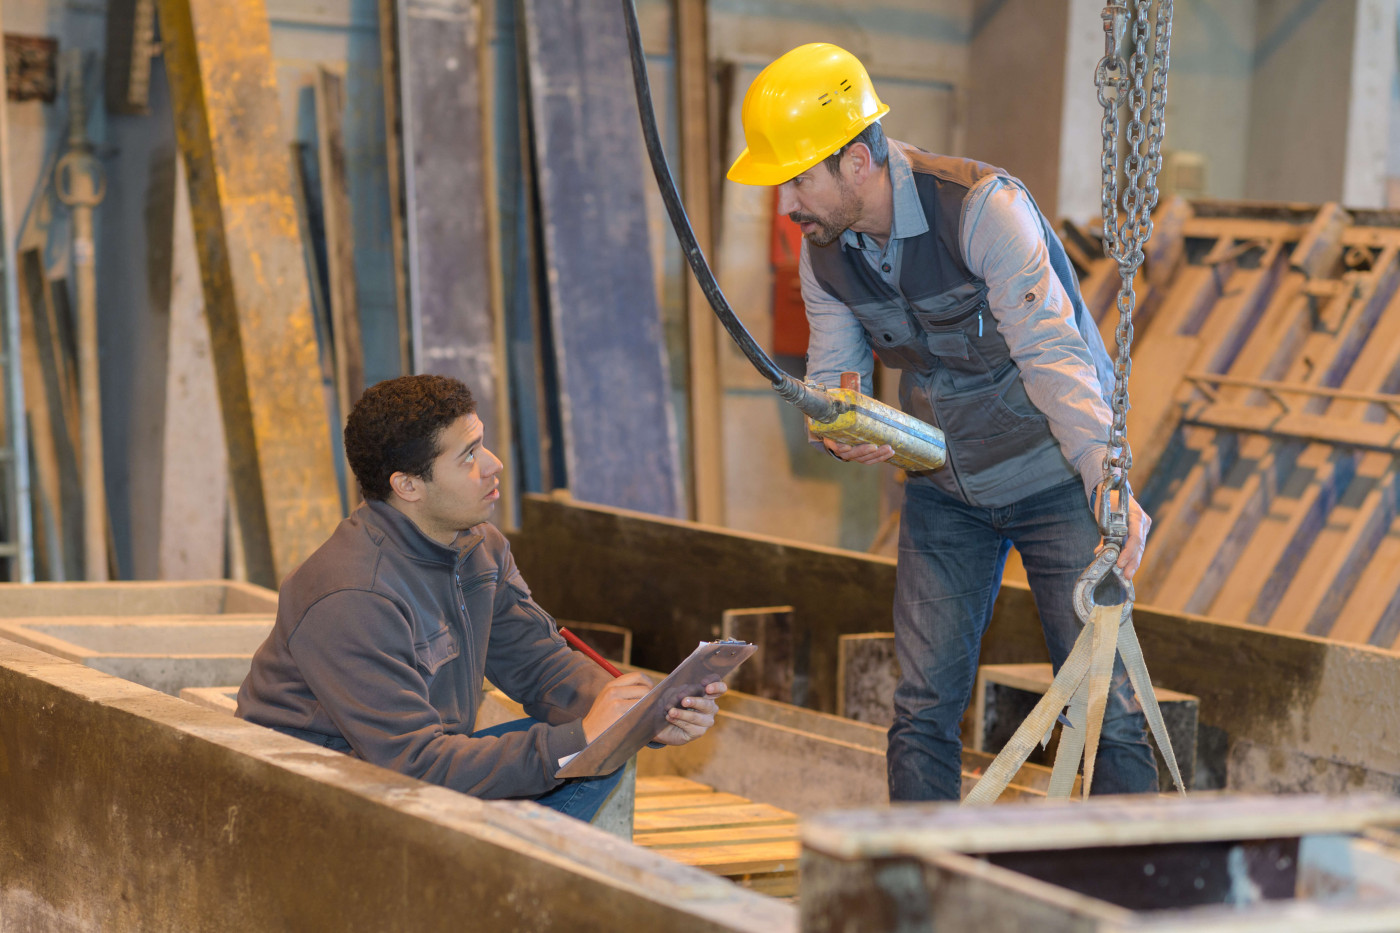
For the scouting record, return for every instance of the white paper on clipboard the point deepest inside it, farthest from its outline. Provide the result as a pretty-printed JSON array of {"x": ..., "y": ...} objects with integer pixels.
[{"x": 710, "y": 662}]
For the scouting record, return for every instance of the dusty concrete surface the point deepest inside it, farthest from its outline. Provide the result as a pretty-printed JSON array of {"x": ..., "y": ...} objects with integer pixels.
[
  {"x": 1306, "y": 702},
  {"x": 123, "y": 809},
  {"x": 139, "y": 598}
]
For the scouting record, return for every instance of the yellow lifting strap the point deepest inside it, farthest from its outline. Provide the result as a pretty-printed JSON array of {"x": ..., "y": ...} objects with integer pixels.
[{"x": 1082, "y": 684}]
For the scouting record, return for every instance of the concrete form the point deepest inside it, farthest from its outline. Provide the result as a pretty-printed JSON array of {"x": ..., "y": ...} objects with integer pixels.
[
  {"x": 1278, "y": 712},
  {"x": 1285, "y": 865},
  {"x": 166, "y": 636},
  {"x": 124, "y": 809}
]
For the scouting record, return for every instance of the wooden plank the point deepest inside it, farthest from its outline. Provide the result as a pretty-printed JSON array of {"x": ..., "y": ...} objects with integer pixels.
[
  {"x": 1212, "y": 455},
  {"x": 618, "y": 429},
  {"x": 1173, "y": 349},
  {"x": 709, "y": 798},
  {"x": 344, "y": 307},
  {"x": 393, "y": 152},
  {"x": 51, "y": 399},
  {"x": 662, "y": 784},
  {"x": 1318, "y": 591},
  {"x": 741, "y": 858},
  {"x": 1113, "y": 821},
  {"x": 452, "y": 293},
  {"x": 219, "y": 59},
  {"x": 709, "y": 817},
  {"x": 1236, "y": 526},
  {"x": 1358, "y": 364},
  {"x": 768, "y": 832},
  {"x": 1286, "y": 533},
  {"x": 194, "y": 473},
  {"x": 705, "y": 393}
]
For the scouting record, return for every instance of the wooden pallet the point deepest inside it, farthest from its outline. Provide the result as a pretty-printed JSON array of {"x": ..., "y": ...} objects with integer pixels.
[
  {"x": 1265, "y": 422},
  {"x": 754, "y": 844}
]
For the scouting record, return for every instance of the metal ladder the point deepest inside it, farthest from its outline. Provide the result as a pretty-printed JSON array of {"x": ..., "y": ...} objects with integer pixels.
[{"x": 17, "y": 544}]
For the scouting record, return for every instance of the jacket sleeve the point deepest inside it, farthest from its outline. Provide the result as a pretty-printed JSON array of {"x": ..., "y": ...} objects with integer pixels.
[
  {"x": 1003, "y": 244},
  {"x": 356, "y": 652},
  {"x": 838, "y": 342},
  {"x": 528, "y": 658}
]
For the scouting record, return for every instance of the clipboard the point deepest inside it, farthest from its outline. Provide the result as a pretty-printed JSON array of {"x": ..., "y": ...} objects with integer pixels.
[{"x": 710, "y": 662}]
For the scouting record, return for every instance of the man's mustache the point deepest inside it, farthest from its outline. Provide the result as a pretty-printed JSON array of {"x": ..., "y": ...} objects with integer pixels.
[{"x": 798, "y": 217}]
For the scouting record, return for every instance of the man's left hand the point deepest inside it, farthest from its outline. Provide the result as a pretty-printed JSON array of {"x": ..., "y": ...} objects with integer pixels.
[
  {"x": 690, "y": 720},
  {"x": 1139, "y": 522}
]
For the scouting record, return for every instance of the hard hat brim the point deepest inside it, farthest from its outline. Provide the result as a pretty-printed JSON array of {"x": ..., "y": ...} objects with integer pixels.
[{"x": 747, "y": 170}]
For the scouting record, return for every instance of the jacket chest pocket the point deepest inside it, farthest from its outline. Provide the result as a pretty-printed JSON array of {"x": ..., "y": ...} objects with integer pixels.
[{"x": 440, "y": 647}]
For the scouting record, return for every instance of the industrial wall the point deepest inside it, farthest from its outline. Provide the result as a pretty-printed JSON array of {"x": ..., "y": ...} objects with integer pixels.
[{"x": 1276, "y": 99}]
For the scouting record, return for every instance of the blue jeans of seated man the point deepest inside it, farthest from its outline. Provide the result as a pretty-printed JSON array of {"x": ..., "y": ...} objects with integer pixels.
[
  {"x": 951, "y": 557},
  {"x": 576, "y": 797}
]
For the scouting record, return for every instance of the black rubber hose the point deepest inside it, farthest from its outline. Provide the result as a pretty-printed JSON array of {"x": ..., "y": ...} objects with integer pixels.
[{"x": 791, "y": 390}]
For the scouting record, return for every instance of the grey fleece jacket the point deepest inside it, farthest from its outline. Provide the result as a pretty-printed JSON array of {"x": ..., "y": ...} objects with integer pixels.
[{"x": 382, "y": 638}]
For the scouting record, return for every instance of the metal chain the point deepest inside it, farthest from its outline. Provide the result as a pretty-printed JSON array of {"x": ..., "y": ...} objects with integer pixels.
[{"x": 1121, "y": 83}]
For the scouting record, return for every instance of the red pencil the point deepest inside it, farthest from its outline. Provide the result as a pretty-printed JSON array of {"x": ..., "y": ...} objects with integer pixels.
[{"x": 578, "y": 643}]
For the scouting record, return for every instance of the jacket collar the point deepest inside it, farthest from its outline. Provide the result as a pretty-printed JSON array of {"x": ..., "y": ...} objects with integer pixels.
[{"x": 385, "y": 522}]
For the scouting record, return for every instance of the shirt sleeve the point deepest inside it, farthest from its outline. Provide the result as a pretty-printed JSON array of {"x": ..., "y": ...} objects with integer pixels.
[
  {"x": 1003, "y": 243},
  {"x": 366, "y": 680},
  {"x": 838, "y": 342}
]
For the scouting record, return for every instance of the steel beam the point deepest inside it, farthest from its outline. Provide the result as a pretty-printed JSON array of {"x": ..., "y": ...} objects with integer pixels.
[{"x": 219, "y": 59}]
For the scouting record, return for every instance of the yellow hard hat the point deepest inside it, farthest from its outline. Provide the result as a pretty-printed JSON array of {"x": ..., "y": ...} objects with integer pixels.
[{"x": 801, "y": 109}]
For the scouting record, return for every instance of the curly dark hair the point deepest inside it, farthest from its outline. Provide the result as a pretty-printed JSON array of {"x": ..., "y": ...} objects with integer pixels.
[{"x": 396, "y": 425}]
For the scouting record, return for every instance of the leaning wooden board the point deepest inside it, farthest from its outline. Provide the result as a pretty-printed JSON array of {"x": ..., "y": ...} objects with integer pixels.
[{"x": 618, "y": 428}]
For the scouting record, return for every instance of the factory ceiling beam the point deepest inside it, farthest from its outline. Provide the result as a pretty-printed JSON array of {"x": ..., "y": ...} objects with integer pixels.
[{"x": 218, "y": 56}]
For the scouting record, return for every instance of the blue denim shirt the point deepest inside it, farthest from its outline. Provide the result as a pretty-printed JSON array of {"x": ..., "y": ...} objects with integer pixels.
[{"x": 1003, "y": 243}]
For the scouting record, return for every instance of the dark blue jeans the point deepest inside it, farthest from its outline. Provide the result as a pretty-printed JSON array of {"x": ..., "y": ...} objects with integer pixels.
[
  {"x": 576, "y": 797},
  {"x": 951, "y": 557}
]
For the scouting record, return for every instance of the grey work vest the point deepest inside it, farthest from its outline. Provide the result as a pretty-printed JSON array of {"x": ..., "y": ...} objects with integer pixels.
[{"x": 935, "y": 326}]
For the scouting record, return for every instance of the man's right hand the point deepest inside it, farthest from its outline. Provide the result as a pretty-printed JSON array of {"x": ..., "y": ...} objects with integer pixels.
[
  {"x": 614, "y": 700},
  {"x": 861, "y": 453}
]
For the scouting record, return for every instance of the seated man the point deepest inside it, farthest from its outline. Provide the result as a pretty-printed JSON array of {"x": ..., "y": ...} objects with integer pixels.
[{"x": 384, "y": 634}]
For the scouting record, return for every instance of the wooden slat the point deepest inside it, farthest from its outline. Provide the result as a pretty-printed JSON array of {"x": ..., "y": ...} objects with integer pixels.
[
  {"x": 688, "y": 801},
  {"x": 618, "y": 427},
  {"x": 709, "y": 817},
  {"x": 741, "y": 858},
  {"x": 342, "y": 297},
  {"x": 705, "y": 392},
  {"x": 1115, "y": 821},
  {"x": 219, "y": 58},
  {"x": 1330, "y": 575},
  {"x": 681, "y": 838},
  {"x": 1286, "y": 532},
  {"x": 1175, "y": 346},
  {"x": 1360, "y": 360},
  {"x": 1213, "y": 455},
  {"x": 452, "y": 289},
  {"x": 661, "y": 784}
]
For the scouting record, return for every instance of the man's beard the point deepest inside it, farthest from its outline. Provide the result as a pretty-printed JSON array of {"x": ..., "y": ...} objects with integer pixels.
[{"x": 830, "y": 229}]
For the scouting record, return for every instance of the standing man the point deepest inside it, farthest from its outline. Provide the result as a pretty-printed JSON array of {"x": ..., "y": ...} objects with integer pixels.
[
  {"x": 384, "y": 634},
  {"x": 948, "y": 271}
]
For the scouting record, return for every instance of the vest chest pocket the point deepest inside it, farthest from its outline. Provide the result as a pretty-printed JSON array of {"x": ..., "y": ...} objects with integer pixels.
[
  {"x": 892, "y": 336},
  {"x": 439, "y": 648}
]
